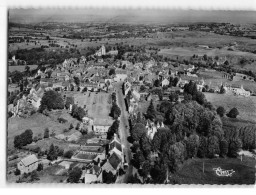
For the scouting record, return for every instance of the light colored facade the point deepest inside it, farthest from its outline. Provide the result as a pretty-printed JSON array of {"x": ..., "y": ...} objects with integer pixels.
[
  {"x": 101, "y": 126},
  {"x": 165, "y": 82},
  {"x": 152, "y": 128},
  {"x": 28, "y": 164},
  {"x": 239, "y": 91},
  {"x": 120, "y": 77},
  {"x": 101, "y": 51}
]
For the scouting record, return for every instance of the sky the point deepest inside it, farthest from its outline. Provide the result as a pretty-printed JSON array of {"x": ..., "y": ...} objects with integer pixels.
[{"x": 133, "y": 16}]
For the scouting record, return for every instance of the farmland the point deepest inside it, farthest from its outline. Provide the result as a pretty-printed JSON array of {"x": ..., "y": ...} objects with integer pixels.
[
  {"x": 186, "y": 51},
  {"x": 37, "y": 123},
  {"x": 245, "y": 105},
  {"x": 192, "y": 171},
  {"x": 21, "y": 68},
  {"x": 97, "y": 104}
]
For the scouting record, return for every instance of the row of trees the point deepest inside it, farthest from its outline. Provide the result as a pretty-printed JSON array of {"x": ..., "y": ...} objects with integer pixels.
[
  {"x": 233, "y": 113},
  {"x": 115, "y": 110},
  {"x": 55, "y": 151}
]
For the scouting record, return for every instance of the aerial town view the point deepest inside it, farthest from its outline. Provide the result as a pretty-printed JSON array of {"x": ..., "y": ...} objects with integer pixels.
[{"x": 131, "y": 97}]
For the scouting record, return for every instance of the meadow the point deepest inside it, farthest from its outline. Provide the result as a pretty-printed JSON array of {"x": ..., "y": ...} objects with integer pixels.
[
  {"x": 21, "y": 68},
  {"x": 245, "y": 105},
  {"x": 190, "y": 51},
  {"x": 96, "y": 103},
  {"x": 37, "y": 123},
  {"x": 192, "y": 171}
]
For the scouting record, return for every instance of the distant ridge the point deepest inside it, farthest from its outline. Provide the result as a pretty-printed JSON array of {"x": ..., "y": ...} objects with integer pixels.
[{"x": 129, "y": 16}]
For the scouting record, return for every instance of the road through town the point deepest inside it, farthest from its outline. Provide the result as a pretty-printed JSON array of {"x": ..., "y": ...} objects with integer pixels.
[{"x": 124, "y": 130}]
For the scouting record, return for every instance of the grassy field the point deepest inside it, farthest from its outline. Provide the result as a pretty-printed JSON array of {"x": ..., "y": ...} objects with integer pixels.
[
  {"x": 96, "y": 103},
  {"x": 245, "y": 105},
  {"x": 21, "y": 68},
  {"x": 192, "y": 171},
  {"x": 52, "y": 175},
  {"x": 37, "y": 123},
  {"x": 186, "y": 51}
]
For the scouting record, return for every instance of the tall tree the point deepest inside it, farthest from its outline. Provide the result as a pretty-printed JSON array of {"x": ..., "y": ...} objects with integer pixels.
[
  {"x": 52, "y": 153},
  {"x": 151, "y": 113},
  {"x": 75, "y": 175}
]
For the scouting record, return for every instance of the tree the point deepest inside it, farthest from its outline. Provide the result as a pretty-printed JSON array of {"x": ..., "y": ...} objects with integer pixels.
[
  {"x": 151, "y": 113},
  {"x": 145, "y": 169},
  {"x": 78, "y": 112},
  {"x": 17, "y": 171},
  {"x": 46, "y": 133},
  {"x": 137, "y": 159},
  {"x": 221, "y": 111},
  {"x": 234, "y": 146},
  {"x": 213, "y": 146},
  {"x": 173, "y": 97},
  {"x": 222, "y": 90},
  {"x": 71, "y": 126},
  {"x": 69, "y": 101},
  {"x": 192, "y": 145},
  {"x": 23, "y": 139},
  {"x": 175, "y": 156},
  {"x": 34, "y": 176},
  {"x": 223, "y": 148},
  {"x": 175, "y": 81},
  {"x": 115, "y": 111},
  {"x": 77, "y": 81},
  {"x": 52, "y": 153},
  {"x": 51, "y": 100},
  {"x": 138, "y": 131},
  {"x": 112, "y": 72},
  {"x": 75, "y": 175},
  {"x": 68, "y": 154},
  {"x": 27, "y": 69},
  {"x": 160, "y": 95},
  {"x": 233, "y": 113},
  {"x": 40, "y": 167},
  {"x": 108, "y": 177},
  {"x": 226, "y": 63},
  {"x": 113, "y": 129},
  {"x": 157, "y": 83},
  {"x": 202, "y": 149}
]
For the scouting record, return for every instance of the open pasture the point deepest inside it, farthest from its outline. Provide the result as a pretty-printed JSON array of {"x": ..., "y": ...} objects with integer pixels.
[
  {"x": 96, "y": 103},
  {"x": 190, "y": 51},
  {"x": 37, "y": 123},
  {"x": 21, "y": 68},
  {"x": 245, "y": 105},
  {"x": 192, "y": 171}
]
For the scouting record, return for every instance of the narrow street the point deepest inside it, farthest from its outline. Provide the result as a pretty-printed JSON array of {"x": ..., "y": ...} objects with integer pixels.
[{"x": 124, "y": 130}]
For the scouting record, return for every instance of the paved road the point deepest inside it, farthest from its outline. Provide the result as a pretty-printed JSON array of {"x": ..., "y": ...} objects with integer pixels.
[{"x": 124, "y": 130}]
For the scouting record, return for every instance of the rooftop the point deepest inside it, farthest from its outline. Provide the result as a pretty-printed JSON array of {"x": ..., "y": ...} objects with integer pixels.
[{"x": 29, "y": 160}]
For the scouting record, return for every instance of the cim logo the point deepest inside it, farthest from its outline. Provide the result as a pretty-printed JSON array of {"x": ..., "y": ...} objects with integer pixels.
[{"x": 223, "y": 173}]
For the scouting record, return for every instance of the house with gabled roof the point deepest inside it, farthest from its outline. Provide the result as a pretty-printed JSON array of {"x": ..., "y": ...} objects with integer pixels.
[
  {"x": 112, "y": 164},
  {"x": 28, "y": 164},
  {"x": 92, "y": 174}
]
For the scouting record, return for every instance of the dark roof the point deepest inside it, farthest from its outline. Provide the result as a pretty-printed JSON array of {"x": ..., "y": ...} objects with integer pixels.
[
  {"x": 96, "y": 168},
  {"x": 116, "y": 145},
  {"x": 114, "y": 160}
]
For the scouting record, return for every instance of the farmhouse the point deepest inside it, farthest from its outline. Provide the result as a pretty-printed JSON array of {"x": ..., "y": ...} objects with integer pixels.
[
  {"x": 112, "y": 164},
  {"x": 92, "y": 174},
  {"x": 115, "y": 146},
  {"x": 239, "y": 90},
  {"x": 165, "y": 82},
  {"x": 101, "y": 126},
  {"x": 152, "y": 128},
  {"x": 28, "y": 164}
]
